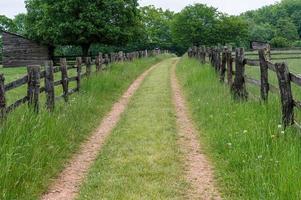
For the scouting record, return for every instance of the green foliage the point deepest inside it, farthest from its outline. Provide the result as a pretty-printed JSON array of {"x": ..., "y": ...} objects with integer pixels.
[
  {"x": 232, "y": 29},
  {"x": 261, "y": 32},
  {"x": 6, "y": 24},
  {"x": 279, "y": 20},
  {"x": 199, "y": 24},
  {"x": 157, "y": 24},
  {"x": 195, "y": 25},
  {"x": 77, "y": 22},
  {"x": 297, "y": 43},
  {"x": 286, "y": 29},
  {"x": 279, "y": 42}
]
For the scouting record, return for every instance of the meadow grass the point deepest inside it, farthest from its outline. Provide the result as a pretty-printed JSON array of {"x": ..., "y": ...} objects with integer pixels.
[
  {"x": 252, "y": 155},
  {"x": 34, "y": 147},
  {"x": 141, "y": 159}
]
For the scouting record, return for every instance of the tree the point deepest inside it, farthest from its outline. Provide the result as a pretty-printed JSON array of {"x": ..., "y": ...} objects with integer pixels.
[
  {"x": 232, "y": 29},
  {"x": 156, "y": 24},
  {"x": 19, "y": 23},
  {"x": 77, "y": 22},
  {"x": 287, "y": 29},
  {"x": 261, "y": 32},
  {"x": 6, "y": 24},
  {"x": 195, "y": 25}
]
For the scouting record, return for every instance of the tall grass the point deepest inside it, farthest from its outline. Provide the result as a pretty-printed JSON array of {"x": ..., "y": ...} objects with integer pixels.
[
  {"x": 253, "y": 156},
  {"x": 34, "y": 147}
]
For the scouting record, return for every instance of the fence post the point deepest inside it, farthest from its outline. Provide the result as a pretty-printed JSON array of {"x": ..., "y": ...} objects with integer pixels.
[
  {"x": 2, "y": 97},
  {"x": 79, "y": 71},
  {"x": 264, "y": 88},
  {"x": 65, "y": 80},
  {"x": 239, "y": 86},
  {"x": 101, "y": 61},
  {"x": 33, "y": 89},
  {"x": 88, "y": 63},
  {"x": 97, "y": 63},
  {"x": 223, "y": 65},
  {"x": 229, "y": 67},
  {"x": 286, "y": 94},
  {"x": 49, "y": 86},
  {"x": 107, "y": 60}
]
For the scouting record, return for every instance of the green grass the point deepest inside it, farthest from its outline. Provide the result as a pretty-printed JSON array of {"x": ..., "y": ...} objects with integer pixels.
[
  {"x": 252, "y": 157},
  {"x": 141, "y": 159},
  {"x": 34, "y": 148}
]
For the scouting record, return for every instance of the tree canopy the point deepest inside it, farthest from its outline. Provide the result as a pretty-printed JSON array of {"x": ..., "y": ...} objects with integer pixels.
[{"x": 77, "y": 22}]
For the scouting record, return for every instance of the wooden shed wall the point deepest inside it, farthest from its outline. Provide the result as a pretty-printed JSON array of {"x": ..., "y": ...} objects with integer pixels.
[{"x": 19, "y": 51}]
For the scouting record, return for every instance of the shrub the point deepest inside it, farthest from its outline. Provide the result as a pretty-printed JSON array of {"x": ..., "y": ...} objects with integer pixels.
[{"x": 280, "y": 42}]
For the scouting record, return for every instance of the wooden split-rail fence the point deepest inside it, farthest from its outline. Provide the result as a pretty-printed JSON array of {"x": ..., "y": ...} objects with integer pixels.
[
  {"x": 35, "y": 75},
  {"x": 222, "y": 60}
]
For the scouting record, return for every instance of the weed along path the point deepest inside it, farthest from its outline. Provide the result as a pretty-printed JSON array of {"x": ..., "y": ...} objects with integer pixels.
[
  {"x": 198, "y": 169},
  {"x": 67, "y": 184}
]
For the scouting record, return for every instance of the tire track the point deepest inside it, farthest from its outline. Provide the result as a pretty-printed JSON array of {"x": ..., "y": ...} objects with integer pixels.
[{"x": 199, "y": 172}]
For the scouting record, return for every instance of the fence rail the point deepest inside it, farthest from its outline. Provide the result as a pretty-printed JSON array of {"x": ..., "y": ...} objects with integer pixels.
[
  {"x": 222, "y": 61},
  {"x": 35, "y": 76}
]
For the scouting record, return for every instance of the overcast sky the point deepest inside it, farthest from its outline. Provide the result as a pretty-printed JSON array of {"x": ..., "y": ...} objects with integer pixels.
[{"x": 12, "y": 7}]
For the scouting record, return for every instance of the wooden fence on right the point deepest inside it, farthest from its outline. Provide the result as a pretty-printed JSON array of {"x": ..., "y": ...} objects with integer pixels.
[{"x": 222, "y": 61}]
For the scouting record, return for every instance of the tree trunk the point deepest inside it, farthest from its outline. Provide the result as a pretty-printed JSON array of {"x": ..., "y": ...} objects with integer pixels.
[
  {"x": 85, "y": 49},
  {"x": 51, "y": 52}
]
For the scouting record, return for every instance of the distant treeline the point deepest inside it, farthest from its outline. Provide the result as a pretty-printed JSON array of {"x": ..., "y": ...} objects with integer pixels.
[{"x": 87, "y": 27}]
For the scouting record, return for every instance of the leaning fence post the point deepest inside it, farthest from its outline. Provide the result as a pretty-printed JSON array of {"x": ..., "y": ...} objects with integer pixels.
[
  {"x": 88, "y": 66},
  {"x": 264, "y": 89},
  {"x": 2, "y": 97},
  {"x": 286, "y": 94},
  {"x": 223, "y": 65},
  {"x": 239, "y": 86},
  {"x": 65, "y": 80},
  {"x": 79, "y": 71},
  {"x": 229, "y": 67},
  {"x": 33, "y": 90},
  {"x": 49, "y": 86}
]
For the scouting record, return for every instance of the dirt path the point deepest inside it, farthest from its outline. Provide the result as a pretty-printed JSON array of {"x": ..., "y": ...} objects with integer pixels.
[
  {"x": 198, "y": 169},
  {"x": 66, "y": 186}
]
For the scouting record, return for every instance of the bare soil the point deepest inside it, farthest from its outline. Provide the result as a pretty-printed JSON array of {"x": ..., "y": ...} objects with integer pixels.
[
  {"x": 199, "y": 172},
  {"x": 67, "y": 184}
]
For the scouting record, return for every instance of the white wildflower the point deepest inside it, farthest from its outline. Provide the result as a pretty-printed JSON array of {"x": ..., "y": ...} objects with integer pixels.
[{"x": 279, "y": 126}]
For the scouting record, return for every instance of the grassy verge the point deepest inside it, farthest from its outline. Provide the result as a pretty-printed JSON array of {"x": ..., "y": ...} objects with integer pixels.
[
  {"x": 33, "y": 148},
  {"x": 141, "y": 159},
  {"x": 253, "y": 157}
]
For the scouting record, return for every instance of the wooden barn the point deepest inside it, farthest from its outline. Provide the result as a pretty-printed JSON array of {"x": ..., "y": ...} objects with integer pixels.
[{"x": 19, "y": 51}]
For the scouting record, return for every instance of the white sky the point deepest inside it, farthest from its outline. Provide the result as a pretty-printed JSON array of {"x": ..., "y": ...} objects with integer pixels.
[{"x": 12, "y": 7}]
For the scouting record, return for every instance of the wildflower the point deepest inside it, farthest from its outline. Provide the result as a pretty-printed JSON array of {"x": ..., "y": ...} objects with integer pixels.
[
  {"x": 229, "y": 144},
  {"x": 282, "y": 132},
  {"x": 245, "y": 131},
  {"x": 279, "y": 126},
  {"x": 273, "y": 136}
]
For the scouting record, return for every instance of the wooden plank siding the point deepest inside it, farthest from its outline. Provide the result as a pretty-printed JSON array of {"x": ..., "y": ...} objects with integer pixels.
[{"x": 19, "y": 51}]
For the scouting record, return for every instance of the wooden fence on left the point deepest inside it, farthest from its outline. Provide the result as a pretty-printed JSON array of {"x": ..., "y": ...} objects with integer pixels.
[{"x": 35, "y": 75}]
